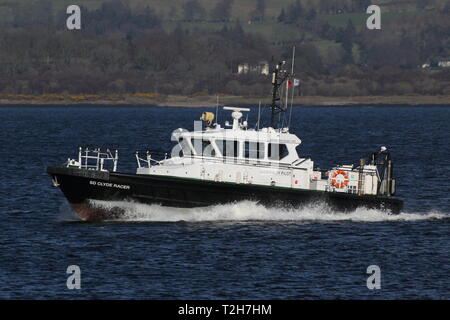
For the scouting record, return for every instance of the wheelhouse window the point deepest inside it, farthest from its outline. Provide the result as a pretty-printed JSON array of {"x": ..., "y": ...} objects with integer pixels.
[
  {"x": 228, "y": 148},
  {"x": 203, "y": 147},
  {"x": 277, "y": 151},
  {"x": 185, "y": 148},
  {"x": 208, "y": 149},
  {"x": 254, "y": 150}
]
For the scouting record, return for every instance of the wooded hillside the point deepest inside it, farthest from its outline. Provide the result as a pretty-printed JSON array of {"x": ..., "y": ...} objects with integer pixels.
[{"x": 192, "y": 47}]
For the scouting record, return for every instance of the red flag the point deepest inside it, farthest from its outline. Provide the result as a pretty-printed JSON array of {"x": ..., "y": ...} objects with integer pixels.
[{"x": 289, "y": 84}]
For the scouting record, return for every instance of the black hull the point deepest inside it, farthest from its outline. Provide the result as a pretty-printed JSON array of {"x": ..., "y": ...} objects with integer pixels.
[{"x": 79, "y": 186}]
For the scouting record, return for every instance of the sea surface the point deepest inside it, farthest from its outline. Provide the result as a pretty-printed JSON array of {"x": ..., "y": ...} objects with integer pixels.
[{"x": 235, "y": 251}]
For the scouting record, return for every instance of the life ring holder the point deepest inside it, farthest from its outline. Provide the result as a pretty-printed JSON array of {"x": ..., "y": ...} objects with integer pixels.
[{"x": 339, "y": 184}]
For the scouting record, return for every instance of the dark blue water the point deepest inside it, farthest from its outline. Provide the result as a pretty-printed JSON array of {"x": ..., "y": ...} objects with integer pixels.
[{"x": 235, "y": 251}]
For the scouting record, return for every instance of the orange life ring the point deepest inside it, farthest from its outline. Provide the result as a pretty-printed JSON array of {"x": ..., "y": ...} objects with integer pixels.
[{"x": 339, "y": 183}]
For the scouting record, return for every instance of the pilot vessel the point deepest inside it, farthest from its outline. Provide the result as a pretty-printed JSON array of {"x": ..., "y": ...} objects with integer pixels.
[{"x": 215, "y": 164}]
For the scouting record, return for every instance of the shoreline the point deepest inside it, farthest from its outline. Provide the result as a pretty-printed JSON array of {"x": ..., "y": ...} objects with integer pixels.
[{"x": 205, "y": 101}]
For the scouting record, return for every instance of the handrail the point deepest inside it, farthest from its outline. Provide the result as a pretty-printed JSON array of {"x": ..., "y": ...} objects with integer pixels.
[
  {"x": 87, "y": 156},
  {"x": 147, "y": 160},
  {"x": 297, "y": 163}
]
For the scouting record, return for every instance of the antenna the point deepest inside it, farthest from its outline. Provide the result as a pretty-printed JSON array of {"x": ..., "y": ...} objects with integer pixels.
[
  {"x": 236, "y": 115},
  {"x": 217, "y": 109},
  {"x": 293, "y": 88},
  {"x": 238, "y": 109},
  {"x": 286, "y": 101},
  {"x": 293, "y": 60},
  {"x": 259, "y": 115}
]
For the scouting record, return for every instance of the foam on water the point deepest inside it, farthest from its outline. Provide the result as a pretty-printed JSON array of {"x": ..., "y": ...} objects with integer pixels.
[{"x": 252, "y": 211}]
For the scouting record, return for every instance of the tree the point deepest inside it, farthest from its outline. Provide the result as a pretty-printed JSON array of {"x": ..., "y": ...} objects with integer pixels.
[
  {"x": 350, "y": 30},
  {"x": 326, "y": 31},
  {"x": 261, "y": 8},
  {"x": 308, "y": 59},
  {"x": 311, "y": 14},
  {"x": 193, "y": 10},
  {"x": 446, "y": 8},
  {"x": 238, "y": 31},
  {"x": 259, "y": 12},
  {"x": 324, "y": 6},
  {"x": 422, "y": 4},
  {"x": 282, "y": 16},
  {"x": 294, "y": 12},
  {"x": 117, "y": 15},
  {"x": 361, "y": 5},
  {"x": 28, "y": 14},
  {"x": 347, "y": 37},
  {"x": 222, "y": 10}
]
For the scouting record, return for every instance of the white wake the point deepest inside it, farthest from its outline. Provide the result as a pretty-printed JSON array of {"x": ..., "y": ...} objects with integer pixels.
[{"x": 251, "y": 211}]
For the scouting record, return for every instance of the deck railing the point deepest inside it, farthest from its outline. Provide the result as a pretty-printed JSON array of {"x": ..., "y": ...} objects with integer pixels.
[
  {"x": 146, "y": 162},
  {"x": 96, "y": 159}
]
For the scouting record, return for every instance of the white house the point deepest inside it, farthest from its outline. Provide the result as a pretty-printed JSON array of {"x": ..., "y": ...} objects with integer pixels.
[{"x": 262, "y": 68}]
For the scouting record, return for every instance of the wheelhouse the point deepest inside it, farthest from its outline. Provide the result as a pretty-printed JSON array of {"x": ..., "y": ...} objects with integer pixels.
[{"x": 249, "y": 145}]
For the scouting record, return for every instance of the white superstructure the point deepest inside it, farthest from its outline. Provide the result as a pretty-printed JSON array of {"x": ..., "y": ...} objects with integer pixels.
[{"x": 266, "y": 156}]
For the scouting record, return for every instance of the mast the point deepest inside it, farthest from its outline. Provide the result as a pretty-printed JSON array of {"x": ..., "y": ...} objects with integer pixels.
[
  {"x": 279, "y": 76},
  {"x": 293, "y": 79}
]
